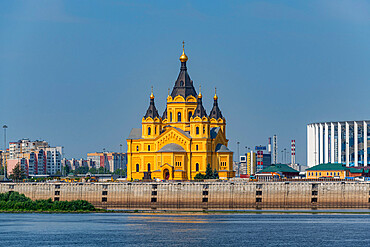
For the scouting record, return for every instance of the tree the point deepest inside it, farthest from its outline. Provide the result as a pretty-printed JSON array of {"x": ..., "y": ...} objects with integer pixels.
[
  {"x": 199, "y": 176},
  {"x": 209, "y": 173},
  {"x": 215, "y": 174},
  {"x": 17, "y": 173}
]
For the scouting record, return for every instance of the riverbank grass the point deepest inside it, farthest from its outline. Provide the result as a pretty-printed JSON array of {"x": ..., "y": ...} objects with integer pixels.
[{"x": 15, "y": 202}]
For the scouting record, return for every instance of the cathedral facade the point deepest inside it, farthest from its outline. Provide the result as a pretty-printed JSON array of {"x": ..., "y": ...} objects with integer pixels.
[{"x": 180, "y": 143}]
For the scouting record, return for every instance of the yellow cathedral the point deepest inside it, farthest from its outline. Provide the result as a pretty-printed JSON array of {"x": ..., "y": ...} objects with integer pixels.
[{"x": 183, "y": 141}]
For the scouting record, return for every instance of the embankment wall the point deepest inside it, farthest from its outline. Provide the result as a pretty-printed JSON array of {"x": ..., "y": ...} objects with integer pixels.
[{"x": 202, "y": 195}]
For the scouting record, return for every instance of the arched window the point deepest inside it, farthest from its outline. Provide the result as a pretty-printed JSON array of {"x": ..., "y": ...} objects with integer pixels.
[
  {"x": 204, "y": 130},
  {"x": 179, "y": 117},
  {"x": 190, "y": 114},
  {"x": 149, "y": 131},
  {"x": 155, "y": 130},
  {"x": 137, "y": 148},
  {"x": 196, "y": 147},
  {"x": 197, "y": 130},
  {"x": 197, "y": 167},
  {"x": 148, "y": 147},
  {"x": 170, "y": 116},
  {"x": 148, "y": 167},
  {"x": 137, "y": 167}
]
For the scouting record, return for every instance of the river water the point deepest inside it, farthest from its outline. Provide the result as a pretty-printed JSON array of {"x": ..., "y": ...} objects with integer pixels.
[{"x": 118, "y": 229}]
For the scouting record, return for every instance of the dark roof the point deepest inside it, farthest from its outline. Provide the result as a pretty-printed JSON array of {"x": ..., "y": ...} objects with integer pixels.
[
  {"x": 183, "y": 85},
  {"x": 152, "y": 111},
  {"x": 220, "y": 148},
  {"x": 215, "y": 112},
  {"x": 199, "y": 111},
  {"x": 186, "y": 133},
  {"x": 278, "y": 168},
  {"x": 328, "y": 167},
  {"x": 135, "y": 134},
  {"x": 214, "y": 131},
  {"x": 172, "y": 147},
  {"x": 164, "y": 116}
]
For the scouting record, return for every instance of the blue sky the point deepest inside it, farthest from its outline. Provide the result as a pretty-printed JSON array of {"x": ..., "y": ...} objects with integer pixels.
[{"x": 78, "y": 73}]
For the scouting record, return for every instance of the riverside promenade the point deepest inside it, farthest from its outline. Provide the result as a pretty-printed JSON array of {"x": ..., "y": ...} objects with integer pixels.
[{"x": 203, "y": 195}]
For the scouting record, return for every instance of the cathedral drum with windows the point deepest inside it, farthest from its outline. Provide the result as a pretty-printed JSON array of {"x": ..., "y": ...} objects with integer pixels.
[{"x": 181, "y": 143}]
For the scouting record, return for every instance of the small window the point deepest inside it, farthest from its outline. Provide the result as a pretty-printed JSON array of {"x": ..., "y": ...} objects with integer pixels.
[
  {"x": 154, "y": 193},
  {"x": 197, "y": 130},
  {"x": 204, "y": 199},
  {"x": 197, "y": 167},
  {"x": 179, "y": 117},
  {"x": 314, "y": 193},
  {"x": 204, "y": 130},
  {"x": 149, "y": 131},
  {"x": 105, "y": 186},
  {"x": 259, "y": 199},
  {"x": 148, "y": 167},
  {"x": 155, "y": 130},
  {"x": 148, "y": 147},
  {"x": 205, "y": 193},
  {"x": 137, "y": 167},
  {"x": 57, "y": 186},
  {"x": 259, "y": 186},
  {"x": 137, "y": 148},
  {"x": 314, "y": 200},
  {"x": 104, "y": 199},
  {"x": 315, "y": 186},
  {"x": 56, "y": 199},
  {"x": 104, "y": 193},
  {"x": 196, "y": 147},
  {"x": 154, "y": 186},
  {"x": 57, "y": 193},
  {"x": 154, "y": 199},
  {"x": 258, "y": 193},
  {"x": 170, "y": 116}
]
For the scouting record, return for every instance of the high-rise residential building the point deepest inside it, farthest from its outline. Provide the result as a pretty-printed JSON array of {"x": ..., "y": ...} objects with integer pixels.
[
  {"x": 35, "y": 157},
  {"x": 109, "y": 160},
  {"x": 251, "y": 163}
]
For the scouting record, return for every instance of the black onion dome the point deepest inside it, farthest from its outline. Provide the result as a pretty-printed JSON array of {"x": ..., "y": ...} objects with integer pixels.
[
  {"x": 183, "y": 85},
  {"x": 215, "y": 112},
  {"x": 199, "y": 111},
  {"x": 152, "y": 111}
]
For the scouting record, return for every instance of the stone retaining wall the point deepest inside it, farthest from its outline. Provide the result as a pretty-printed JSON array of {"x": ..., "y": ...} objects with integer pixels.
[{"x": 199, "y": 196}]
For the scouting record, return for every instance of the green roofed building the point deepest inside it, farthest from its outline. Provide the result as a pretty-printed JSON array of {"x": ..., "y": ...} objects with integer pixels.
[
  {"x": 282, "y": 169},
  {"x": 330, "y": 170}
]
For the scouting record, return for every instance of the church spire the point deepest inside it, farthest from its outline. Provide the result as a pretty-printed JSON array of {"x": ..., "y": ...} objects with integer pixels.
[
  {"x": 152, "y": 110},
  {"x": 215, "y": 112},
  {"x": 183, "y": 85},
  {"x": 199, "y": 111}
]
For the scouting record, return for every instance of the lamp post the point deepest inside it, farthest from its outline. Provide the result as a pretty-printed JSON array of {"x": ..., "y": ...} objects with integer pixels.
[
  {"x": 5, "y": 159},
  {"x": 238, "y": 158},
  {"x": 120, "y": 159}
]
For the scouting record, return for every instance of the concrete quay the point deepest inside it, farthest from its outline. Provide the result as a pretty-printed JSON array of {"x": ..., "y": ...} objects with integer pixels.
[{"x": 203, "y": 195}]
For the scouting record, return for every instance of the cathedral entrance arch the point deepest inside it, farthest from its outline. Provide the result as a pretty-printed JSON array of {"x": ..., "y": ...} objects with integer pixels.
[{"x": 166, "y": 174}]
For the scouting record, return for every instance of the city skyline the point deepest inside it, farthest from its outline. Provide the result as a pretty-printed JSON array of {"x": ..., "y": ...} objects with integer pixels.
[{"x": 81, "y": 79}]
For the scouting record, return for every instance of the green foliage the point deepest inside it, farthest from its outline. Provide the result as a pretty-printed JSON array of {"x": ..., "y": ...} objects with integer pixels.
[
  {"x": 121, "y": 172},
  {"x": 209, "y": 174},
  {"x": 215, "y": 174},
  {"x": 2, "y": 170},
  {"x": 13, "y": 201},
  {"x": 17, "y": 173},
  {"x": 81, "y": 170},
  {"x": 199, "y": 176}
]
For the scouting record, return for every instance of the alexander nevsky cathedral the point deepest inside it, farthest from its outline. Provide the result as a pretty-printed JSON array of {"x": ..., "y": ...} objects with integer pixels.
[{"x": 180, "y": 143}]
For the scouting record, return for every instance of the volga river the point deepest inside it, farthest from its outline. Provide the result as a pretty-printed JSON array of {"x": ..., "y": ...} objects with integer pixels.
[{"x": 118, "y": 229}]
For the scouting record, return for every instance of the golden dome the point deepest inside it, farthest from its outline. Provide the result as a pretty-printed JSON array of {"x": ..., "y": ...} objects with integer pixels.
[
  {"x": 183, "y": 57},
  {"x": 215, "y": 97},
  {"x": 152, "y": 95}
]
